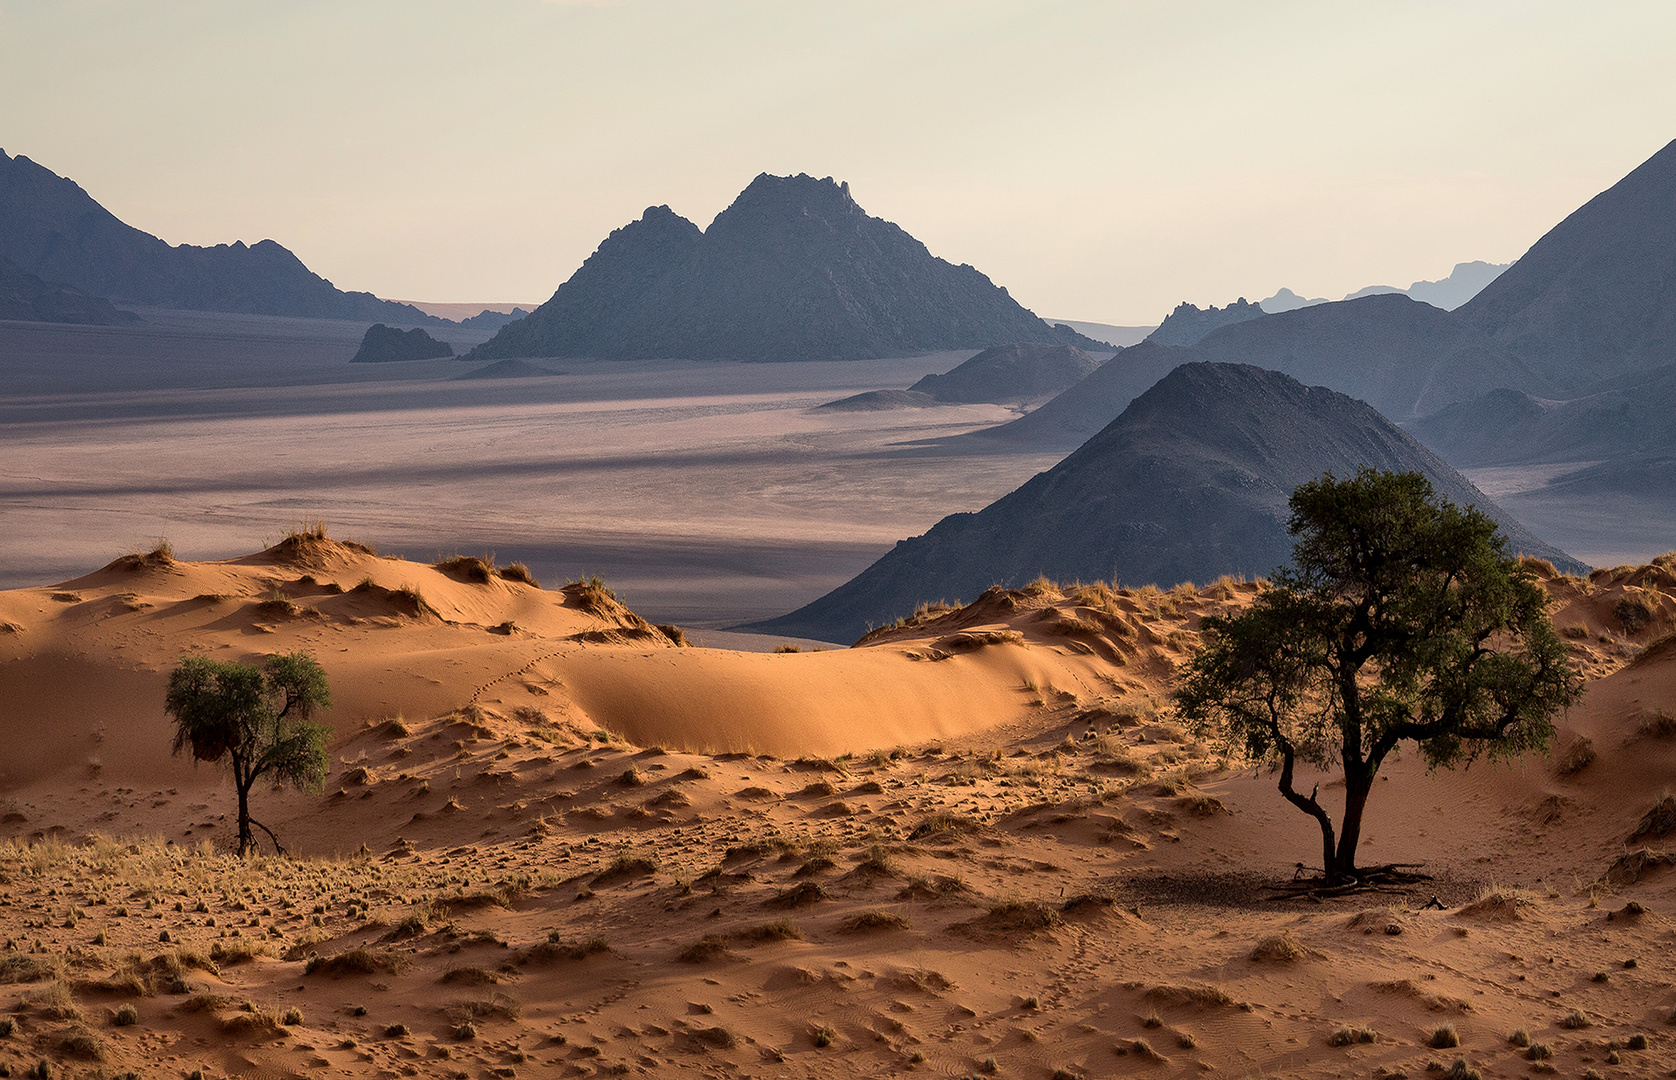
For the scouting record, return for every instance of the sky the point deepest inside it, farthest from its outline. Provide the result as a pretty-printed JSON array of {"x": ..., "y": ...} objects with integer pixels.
[{"x": 1103, "y": 161}]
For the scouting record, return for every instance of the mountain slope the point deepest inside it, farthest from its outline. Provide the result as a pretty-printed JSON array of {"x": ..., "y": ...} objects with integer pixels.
[
  {"x": 53, "y": 229},
  {"x": 1190, "y": 483},
  {"x": 1596, "y": 296},
  {"x": 792, "y": 270}
]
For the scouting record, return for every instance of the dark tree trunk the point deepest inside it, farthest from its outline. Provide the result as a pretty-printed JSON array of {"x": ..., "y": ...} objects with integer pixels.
[
  {"x": 247, "y": 841},
  {"x": 1358, "y": 783}
]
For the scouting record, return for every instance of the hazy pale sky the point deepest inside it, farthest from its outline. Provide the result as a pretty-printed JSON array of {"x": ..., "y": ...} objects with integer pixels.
[{"x": 1102, "y": 160}]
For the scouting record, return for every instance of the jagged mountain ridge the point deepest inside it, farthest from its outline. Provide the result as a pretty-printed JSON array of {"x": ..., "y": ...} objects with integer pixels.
[
  {"x": 52, "y": 228},
  {"x": 1190, "y": 483},
  {"x": 794, "y": 269}
]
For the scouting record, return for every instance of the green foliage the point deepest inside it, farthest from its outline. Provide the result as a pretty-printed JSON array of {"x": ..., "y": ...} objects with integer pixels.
[
  {"x": 1401, "y": 618},
  {"x": 256, "y": 719}
]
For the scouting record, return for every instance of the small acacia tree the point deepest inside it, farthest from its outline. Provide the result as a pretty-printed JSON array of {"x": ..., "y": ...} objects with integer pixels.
[
  {"x": 1401, "y": 618},
  {"x": 257, "y": 719}
]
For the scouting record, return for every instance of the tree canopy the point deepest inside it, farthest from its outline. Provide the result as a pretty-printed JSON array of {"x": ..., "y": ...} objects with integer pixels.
[
  {"x": 257, "y": 720},
  {"x": 1402, "y": 618}
]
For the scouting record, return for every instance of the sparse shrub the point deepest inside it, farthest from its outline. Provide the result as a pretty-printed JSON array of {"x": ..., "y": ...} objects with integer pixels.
[
  {"x": 291, "y": 1017},
  {"x": 397, "y": 1031},
  {"x": 1445, "y": 1038},
  {"x": 1539, "y": 1051},
  {"x": 1520, "y": 1037},
  {"x": 825, "y": 1036},
  {"x": 1349, "y": 1036},
  {"x": 1576, "y": 1020},
  {"x": 1633, "y": 613},
  {"x": 1576, "y": 631}
]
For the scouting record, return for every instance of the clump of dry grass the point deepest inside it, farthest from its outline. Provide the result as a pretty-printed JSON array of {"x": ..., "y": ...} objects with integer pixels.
[
  {"x": 1658, "y": 821},
  {"x": 356, "y": 961},
  {"x": 519, "y": 572},
  {"x": 626, "y": 866},
  {"x": 1350, "y": 1036},
  {"x": 557, "y": 948},
  {"x": 478, "y": 571},
  {"x": 945, "y": 823},
  {"x": 1577, "y": 757},
  {"x": 707, "y": 948},
  {"x": 863, "y": 922},
  {"x": 1281, "y": 948},
  {"x": 776, "y": 930},
  {"x": 801, "y": 895},
  {"x": 1500, "y": 904}
]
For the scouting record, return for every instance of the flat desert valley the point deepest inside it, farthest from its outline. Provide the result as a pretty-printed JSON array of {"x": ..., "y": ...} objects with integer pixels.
[{"x": 556, "y": 840}]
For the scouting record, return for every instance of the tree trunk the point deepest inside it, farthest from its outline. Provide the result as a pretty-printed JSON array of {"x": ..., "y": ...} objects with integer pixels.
[
  {"x": 1358, "y": 783},
  {"x": 247, "y": 841}
]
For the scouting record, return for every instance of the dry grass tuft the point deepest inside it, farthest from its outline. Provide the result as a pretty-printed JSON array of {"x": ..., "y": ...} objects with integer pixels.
[
  {"x": 1500, "y": 905},
  {"x": 1577, "y": 757},
  {"x": 1659, "y": 821},
  {"x": 707, "y": 948},
  {"x": 864, "y": 922},
  {"x": 520, "y": 573},
  {"x": 356, "y": 961},
  {"x": 1281, "y": 948},
  {"x": 1350, "y": 1036}
]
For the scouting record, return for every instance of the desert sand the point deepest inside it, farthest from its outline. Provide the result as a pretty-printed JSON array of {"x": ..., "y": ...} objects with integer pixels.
[{"x": 556, "y": 841}]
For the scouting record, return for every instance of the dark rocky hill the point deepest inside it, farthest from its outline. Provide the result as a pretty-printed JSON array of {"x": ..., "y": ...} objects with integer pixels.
[
  {"x": 1187, "y": 324},
  {"x": 25, "y": 296},
  {"x": 53, "y": 229},
  {"x": 382, "y": 344},
  {"x": 1190, "y": 483},
  {"x": 792, "y": 270},
  {"x": 1011, "y": 373}
]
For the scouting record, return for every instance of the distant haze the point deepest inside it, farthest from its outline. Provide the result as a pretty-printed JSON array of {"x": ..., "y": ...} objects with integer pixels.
[{"x": 1102, "y": 161}]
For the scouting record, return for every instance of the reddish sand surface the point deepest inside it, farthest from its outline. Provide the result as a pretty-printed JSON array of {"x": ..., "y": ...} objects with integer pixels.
[{"x": 555, "y": 841}]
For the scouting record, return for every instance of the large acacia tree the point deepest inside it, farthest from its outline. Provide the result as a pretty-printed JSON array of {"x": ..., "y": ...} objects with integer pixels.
[
  {"x": 1401, "y": 618},
  {"x": 257, "y": 719}
]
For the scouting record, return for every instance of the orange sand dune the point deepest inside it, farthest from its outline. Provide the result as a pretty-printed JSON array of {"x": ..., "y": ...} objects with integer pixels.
[{"x": 1038, "y": 873}]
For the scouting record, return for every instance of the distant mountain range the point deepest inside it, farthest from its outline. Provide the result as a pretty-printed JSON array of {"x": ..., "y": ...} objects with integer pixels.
[
  {"x": 51, "y": 228},
  {"x": 1190, "y": 483},
  {"x": 1467, "y": 280},
  {"x": 792, "y": 270},
  {"x": 1187, "y": 324}
]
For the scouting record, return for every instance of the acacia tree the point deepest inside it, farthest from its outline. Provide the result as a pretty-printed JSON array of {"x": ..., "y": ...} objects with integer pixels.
[
  {"x": 257, "y": 719},
  {"x": 1401, "y": 618}
]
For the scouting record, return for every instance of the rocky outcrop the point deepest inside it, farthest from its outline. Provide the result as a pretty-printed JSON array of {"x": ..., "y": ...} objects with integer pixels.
[{"x": 382, "y": 344}]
